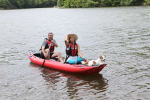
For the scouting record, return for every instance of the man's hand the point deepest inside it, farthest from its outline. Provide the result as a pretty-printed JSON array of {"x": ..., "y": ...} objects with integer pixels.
[{"x": 52, "y": 41}]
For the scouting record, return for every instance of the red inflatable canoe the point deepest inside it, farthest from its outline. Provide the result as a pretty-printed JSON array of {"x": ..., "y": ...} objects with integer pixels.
[{"x": 73, "y": 68}]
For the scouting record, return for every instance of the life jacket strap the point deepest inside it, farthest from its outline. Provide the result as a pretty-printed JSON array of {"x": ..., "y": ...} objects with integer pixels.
[{"x": 67, "y": 56}]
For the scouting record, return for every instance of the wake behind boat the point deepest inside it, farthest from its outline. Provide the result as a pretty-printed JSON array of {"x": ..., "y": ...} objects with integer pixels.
[{"x": 71, "y": 68}]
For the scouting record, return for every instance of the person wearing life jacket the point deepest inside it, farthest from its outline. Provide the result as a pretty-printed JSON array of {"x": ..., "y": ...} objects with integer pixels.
[
  {"x": 73, "y": 50},
  {"x": 47, "y": 52}
]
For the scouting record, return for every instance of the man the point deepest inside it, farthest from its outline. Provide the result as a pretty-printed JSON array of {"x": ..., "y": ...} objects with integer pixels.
[{"x": 48, "y": 46}]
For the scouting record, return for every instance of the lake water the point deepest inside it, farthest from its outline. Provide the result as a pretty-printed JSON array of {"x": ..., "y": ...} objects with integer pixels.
[{"x": 121, "y": 33}]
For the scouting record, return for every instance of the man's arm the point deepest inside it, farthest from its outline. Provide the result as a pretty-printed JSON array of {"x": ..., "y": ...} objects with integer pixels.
[
  {"x": 43, "y": 48},
  {"x": 54, "y": 43},
  {"x": 43, "y": 51}
]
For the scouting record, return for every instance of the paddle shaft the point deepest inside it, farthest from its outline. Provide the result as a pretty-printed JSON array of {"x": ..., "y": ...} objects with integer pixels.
[{"x": 47, "y": 54}]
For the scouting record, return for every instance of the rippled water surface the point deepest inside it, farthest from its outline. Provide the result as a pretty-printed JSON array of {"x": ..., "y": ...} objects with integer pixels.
[{"x": 121, "y": 33}]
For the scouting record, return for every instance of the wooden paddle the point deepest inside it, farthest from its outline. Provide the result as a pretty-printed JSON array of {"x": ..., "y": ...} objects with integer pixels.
[{"x": 47, "y": 54}]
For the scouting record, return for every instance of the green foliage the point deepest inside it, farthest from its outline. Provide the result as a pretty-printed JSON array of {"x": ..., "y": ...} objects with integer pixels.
[
  {"x": 3, "y": 4},
  {"x": 92, "y": 3},
  {"x": 28, "y": 3},
  {"x": 106, "y": 3},
  {"x": 80, "y": 3},
  {"x": 60, "y": 3},
  {"x": 147, "y": 1},
  {"x": 121, "y": 2},
  {"x": 116, "y": 3},
  {"x": 68, "y": 3},
  {"x": 54, "y": 2}
]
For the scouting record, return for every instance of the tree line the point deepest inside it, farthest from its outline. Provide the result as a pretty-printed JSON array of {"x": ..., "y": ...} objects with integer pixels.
[
  {"x": 27, "y": 3},
  {"x": 69, "y": 3},
  {"x": 99, "y": 3}
]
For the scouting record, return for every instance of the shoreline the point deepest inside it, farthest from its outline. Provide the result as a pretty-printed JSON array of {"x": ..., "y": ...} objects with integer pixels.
[{"x": 73, "y": 8}]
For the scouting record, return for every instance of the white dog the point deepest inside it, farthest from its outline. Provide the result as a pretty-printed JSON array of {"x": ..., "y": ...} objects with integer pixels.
[{"x": 99, "y": 61}]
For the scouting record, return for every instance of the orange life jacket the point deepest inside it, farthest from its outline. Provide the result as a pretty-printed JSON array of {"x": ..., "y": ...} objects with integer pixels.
[
  {"x": 52, "y": 46},
  {"x": 73, "y": 51}
]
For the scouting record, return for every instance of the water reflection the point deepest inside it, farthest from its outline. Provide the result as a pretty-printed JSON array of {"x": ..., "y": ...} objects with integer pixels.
[
  {"x": 74, "y": 84},
  {"x": 89, "y": 83}
]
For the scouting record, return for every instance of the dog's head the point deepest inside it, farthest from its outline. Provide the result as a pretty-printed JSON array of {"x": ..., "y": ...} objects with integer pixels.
[{"x": 102, "y": 58}]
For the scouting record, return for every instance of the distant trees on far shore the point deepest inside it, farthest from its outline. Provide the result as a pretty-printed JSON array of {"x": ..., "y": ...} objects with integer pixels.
[
  {"x": 27, "y": 3},
  {"x": 99, "y": 3},
  {"x": 69, "y": 3}
]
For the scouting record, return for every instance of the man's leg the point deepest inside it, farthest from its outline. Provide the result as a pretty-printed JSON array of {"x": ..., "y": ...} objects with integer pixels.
[
  {"x": 58, "y": 54},
  {"x": 46, "y": 50},
  {"x": 42, "y": 55}
]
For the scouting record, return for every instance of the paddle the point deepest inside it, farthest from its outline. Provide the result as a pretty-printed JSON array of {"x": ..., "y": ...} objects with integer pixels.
[{"x": 47, "y": 54}]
